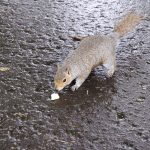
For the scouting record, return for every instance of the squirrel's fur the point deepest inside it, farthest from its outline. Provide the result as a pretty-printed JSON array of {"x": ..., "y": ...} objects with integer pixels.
[{"x": 93, "y": 51}]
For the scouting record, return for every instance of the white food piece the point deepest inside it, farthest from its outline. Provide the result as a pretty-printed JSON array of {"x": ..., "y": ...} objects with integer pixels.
[{"x": 54, "y": 96}]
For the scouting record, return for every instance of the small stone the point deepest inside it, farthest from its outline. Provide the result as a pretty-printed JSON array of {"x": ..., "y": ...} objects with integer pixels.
[
  {"x": 144, "y": 87},
  {"x": 140, "y": 99},
  {"x": 87, "y": 92}
]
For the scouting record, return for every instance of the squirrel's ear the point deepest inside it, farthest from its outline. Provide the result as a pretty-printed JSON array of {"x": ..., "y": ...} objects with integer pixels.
[
  {"x": 68, "y": 70},
  {"x": 58, "y": 65}
]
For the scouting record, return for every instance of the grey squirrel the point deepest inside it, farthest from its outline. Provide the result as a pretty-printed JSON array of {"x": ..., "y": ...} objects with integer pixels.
[{"x": 92, "y": 51}]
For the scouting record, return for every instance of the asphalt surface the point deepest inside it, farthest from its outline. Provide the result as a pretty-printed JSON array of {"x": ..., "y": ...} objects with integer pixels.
[{"x": 103, "y": 114}]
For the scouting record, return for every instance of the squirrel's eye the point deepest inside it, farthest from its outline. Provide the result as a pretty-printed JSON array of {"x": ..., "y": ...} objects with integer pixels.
[{"x": 64, "y": 80}]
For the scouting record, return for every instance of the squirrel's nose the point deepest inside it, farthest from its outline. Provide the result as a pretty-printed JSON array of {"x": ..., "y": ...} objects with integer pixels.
[{"x": 58, "y": 88}]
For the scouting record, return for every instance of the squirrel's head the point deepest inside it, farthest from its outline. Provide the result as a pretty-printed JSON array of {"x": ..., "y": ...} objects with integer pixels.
[{"x": 62, "y": 77}]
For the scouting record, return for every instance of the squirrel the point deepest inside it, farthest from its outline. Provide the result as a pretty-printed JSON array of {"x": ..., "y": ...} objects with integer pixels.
[{"x": 92, "y": 51}]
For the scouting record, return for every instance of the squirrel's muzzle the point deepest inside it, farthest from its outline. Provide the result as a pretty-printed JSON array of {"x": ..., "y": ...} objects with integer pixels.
[{"x": 58, "y": 87}]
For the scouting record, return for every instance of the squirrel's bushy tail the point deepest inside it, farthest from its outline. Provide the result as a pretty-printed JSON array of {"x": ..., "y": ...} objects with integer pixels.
[{"x": 127, "y": 24}]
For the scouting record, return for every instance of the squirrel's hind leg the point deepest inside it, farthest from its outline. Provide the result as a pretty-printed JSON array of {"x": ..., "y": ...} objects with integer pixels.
[{"x": 110, "y": 67}]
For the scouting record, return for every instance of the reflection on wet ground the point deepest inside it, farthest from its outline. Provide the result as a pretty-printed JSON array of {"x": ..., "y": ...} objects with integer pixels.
[{"x": 104, "y": 113}]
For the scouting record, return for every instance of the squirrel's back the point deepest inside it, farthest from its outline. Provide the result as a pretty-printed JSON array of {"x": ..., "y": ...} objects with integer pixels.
[{"x": 92, "y": 50}]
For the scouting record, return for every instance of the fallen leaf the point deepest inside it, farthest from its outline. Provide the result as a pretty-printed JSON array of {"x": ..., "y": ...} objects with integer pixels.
[{"x": 4, "y": 69}]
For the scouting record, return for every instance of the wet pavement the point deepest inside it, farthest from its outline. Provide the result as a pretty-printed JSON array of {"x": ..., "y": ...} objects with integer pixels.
[{"x": 104, "y": 114}]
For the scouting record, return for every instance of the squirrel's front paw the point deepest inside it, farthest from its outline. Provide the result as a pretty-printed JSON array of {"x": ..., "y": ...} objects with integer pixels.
[{"x": 74, "y": 88}]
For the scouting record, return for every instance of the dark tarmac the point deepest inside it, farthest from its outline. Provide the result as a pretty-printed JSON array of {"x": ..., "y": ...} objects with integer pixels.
[{"x": 103, "y": 114}]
